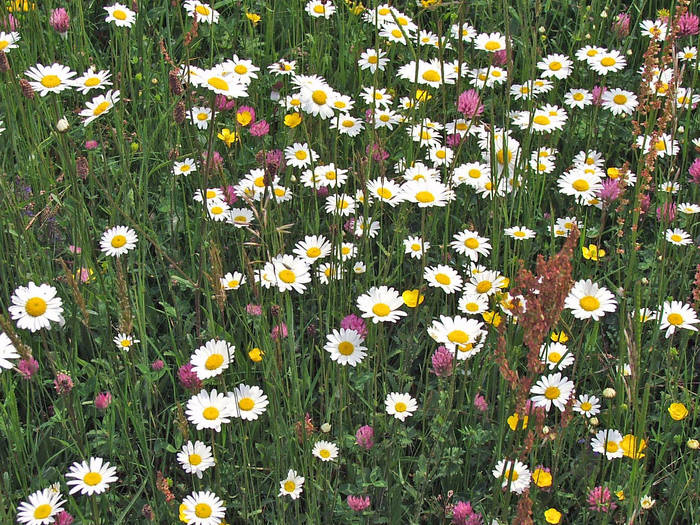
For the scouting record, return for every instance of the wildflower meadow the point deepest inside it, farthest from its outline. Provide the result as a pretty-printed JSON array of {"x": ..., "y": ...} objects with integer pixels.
[{"x": 332, "y": 261}]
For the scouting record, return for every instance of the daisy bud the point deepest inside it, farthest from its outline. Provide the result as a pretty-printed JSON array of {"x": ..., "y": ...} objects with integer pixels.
[
  {"x": 62, "y": 125},
  {"x": 693, "y": 444},
  {"x": 326, "y": 428},
  {"x": 609, "y": 393},
  {"x": 594, "y": 421}
]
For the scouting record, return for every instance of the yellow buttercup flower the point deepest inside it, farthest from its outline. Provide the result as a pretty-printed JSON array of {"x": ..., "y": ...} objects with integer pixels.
[
  {"x": 514, "y": 420},
  {"x": 560, "y": 337},
  {"x": 632, "y": 447},
  {"x": 542, "y": 478},
  {"x": 552, "y": 516},
  {"x": 253, "y": 18},
  {"x": 256, "y": 355},
  {"x": 422, "y": 95},
  {"x": 678, "y": 411},
  {"x": 227, "y": 136},
  {"x": 493, "y": 318},
  {"x": 21, "y": 5},
  {"x": 592, "y": 252},
  {"x": 412, "y": 298},
  {"x": 620, "y": 494},
  {"x": 292, "y": 120}
]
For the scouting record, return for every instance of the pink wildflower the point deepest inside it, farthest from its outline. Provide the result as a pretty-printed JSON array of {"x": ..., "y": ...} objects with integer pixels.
[
  {"x": 599, "y": 500},
  {"x": 499, "y": 58},
  {"x": 224, "y": 104},
  {"x": 64, "y": 518},
  {"x": 63, "y": 384},
  {"x": 353, "y": 322},
  {"x": 91, "y": 144},
  {"x": 598, "y": 95},
  {"x": 621, "y": 25},
  {"x": 279, "y": 331},
  {"x": 694, "y": 171},
  {"x": 188, "y": 377},
  {"x": 688, "y": 24},
  {"x": 667, "y": 212},
  {"x": 365, "y": 436},
  {"x": 103, "y": 400},
  {"x": 469, "y": 104},
  {"x": 358, "y": 503},
  {"x": 28, "y": 367},
  {"x": 480, "y": 403},
  {"x": 157, "y": 365},
  {"x": 60, "y": 21},
  {"x": 253, "y": 309},
  {"x": 260, "y": 128},
  {"x": 463, "y": 514},
  {"x": 610, "y": 191},
  {"x": 230, "y": 194},
  {"x": 443, "y": 362}
]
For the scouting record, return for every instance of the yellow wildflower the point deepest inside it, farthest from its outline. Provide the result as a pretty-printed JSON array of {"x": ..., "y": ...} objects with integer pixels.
[
  {"x": 227, "y": 136},
  {"x": 412, "y": 298},
  {"x": 292, "y": 120},
  {"x": 253, "y": 18},
  {"x": 592, "y": 252}
]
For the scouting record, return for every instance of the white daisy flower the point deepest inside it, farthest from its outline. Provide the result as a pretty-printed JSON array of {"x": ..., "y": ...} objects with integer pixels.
[
  {"x": 248, "y": 402},
  {"x": 195, "y": 458},
  {"x": 587, "y": 300},
  {"x": 50, "y": 79},
  {"x": 91, "y": 478},
  {"x": 35, "y": 307},
  {"x": 212, "y": 358},
  {"x": 292, "y": 485},
  {"x": 118, "y": 240},
  {"x": 325, "y": 450},
  {"x": 400, "y": 405},
  {"x": 203, "y": 508},
  {"x": 40, "y": 508},
  {"x": 121, "y": 15},
  {"x": 209, "y": 410},
  {"x": 515, "y": 475},
  {"x": 345, "y": 347}
]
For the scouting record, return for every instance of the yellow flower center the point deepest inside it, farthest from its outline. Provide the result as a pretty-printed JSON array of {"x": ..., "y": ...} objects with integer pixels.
[
  {"x": 441, "y": 154},
  {"x": 35, "y": 307},
  {"x": 542, "y": 120},
  {"x": 555, "y": 66},
  {"x": 552, "y": 392},
  {"x": 319, "y": 97},
  {"x": 492, "y": 45},
  {"x": 346, "y": 348},
  {"x": 612, "y": 447},
  {"x": 104, "y": 106},
  {"x": 246, "y": 404},
  {"x": 313, "y": 251},
  {"x": 581, "y": 185},
  {"x": 373, "y": 59},
  {"x": 289, "y": 485},
  {"x": 483, "y": 286},
  {"x": 660, "y": 146},
  {"x": 425, "y": 196},
  {"x": 431, "y": 76},
  {"x": 92, "y": 478},
  {"x": 210, "y": 413},
  {"x": 458, "y": 336},
  {"x": 400, "y": 406},
  {"x": 471, "y": 243},
  {"x": 501, "y": 156},
  {"x": 586, "y": 406},
  {"x": 554, "y": 357},
  {"x": 675, "y": 319},
  {"x": 195, "y": 459},
  {"x": 119, "y": 14},
  {"x": 125, "y": 343},
  {"x": 233, "y": 283},
  {"x": 4, "y": 44},
  {"x": 325, "y": 453},
  {"x": 288, "y": 276},
  {"x": 589, "y": 303},
  {"x": 519, "y": 233},
  {"x": 319, "y": 9},
  {"x": 240, "y": 69},
  {"x": 384, "y": 11},
  {"x": 240, "y": 218},
  {"x": 92, "y": 82},
  {"x": 472, "y": 307},
  {"x": 348, "y": 123},
  {"x": 50, "y": 81},
  {"x": 676, "y": 238},
  {"x": 214, "y": 361},
  {"x": 608, "y": 61},
  {"x": 202, "y": 10},
  {"x": 43, "y": 511},
  {"x": 384, "y": 193},
  {"x": 218, "y": 83},
  {"x": 202, "y": 510},
  {"x": 301, "y": 154},
  {"x": 578, "y": 96},
  {"x": 620, "y": 99},
  {"x": 217, "y": 210},
  {"x": 396, "y": 33},
  {"x": 381, "y": 309}
]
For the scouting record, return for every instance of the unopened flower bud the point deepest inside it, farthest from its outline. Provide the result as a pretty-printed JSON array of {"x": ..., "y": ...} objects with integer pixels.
[
  {"x": 609, "y": 393},
  {"x": 326, "y": 428},
  {"x": 62, "y": 125},
  {"x": 594, "y": 421},
  {"x": 693, "y": 444}
]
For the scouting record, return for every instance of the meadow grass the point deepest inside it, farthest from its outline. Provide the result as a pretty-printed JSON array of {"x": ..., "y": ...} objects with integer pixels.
[{"x": 604, "y": 277}]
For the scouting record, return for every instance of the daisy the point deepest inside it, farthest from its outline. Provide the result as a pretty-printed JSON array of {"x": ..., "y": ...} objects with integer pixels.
[
  {"x": 201, "y": 12},
  {"x": 125, "y": 341},
  {"x": 520, "y": 233},
  {"x": 222, "y": 82},
  {"x": 440, "y": 156},
  {"x": 329, "y": 271},
  {"x": 359, "y": 267},
  {"x": 342, "y": 103},
  {"x": 466, "y": 33},
  {"x": 121, "y": 15},
  {"x": 473, "y": 304},
  {"x": 587, "y": 405},
  {"x": 579, "y": 183},
  {"x": 283, "y": 67},
  {"x": 578, "y": 98},
  {"x": 7, "y": 352},
  {"x": 556, "y": 356},
  {"x": 373, "y": 59},
  {"x": 232, "y": 281},
  {"x": 317, "y": 99},
  {"x": 381, "y": 304},
  {"x": 400, "y": 406},
  {"x": 211, "y": 194},
  {"x": 346, "y": 124},
  {"x": 675, "y": 314},
  {"x": 557, "y": 66},
  {"x": 654, "y": 29},
  {"x": 291, "y": 273},
  {"x": 195, "y": 458},
  {"x": 485, "y": 283},
  {"x": 376, "y": 97},
  {"x": 427, "y": 193},
  {"x": 92, "y": 79},
  {"x": 619, "y": 101},
  {"x": 217, "y": 210},
  {"x": 292, "y": 485},
  {"x": 300, "y": 155},
  {"x": 313, "y": 248},
  {"x": 490, "y": 42},
  {"x": 248, "y": 402},
  {"x": 8, "y": 41},
  {"x": 678, "y": 237},
  {"x": 588, "y": 300},
  {"x": 515, "y": 475},
  {"x": 209, "y": 410},
  {"x": 607, "y": 62},
  {"x": 345, "y": 251},
  {"x": 92, "y": 478},
  {"x": 588, "y": 52},
  {"x": 41, "y": 508},
  {"x": 688, "y": 208},
  {"x": 50, "y": 79},
  {"x": 393, "y": 33},
  {"x": 345, "y": 347},
  {"x": 432, "y": 73},
  {"x": 608, "y": 442},
  {"x": 212, "y": 358},
  {"x": 185, "y": 167},
  {"x": 688, "y": 54},
  {"x": 34, "y": 307},
  {"x": 552, "y": 390},
  {"x": 203, "y": 508},
  {"x": 240, "y": 217},
  {"x": 444, "y": 277},
  {"x": 99, "y": 105},
  {"x": 459, "y": 334},
  {"x": 340, "y": 204},
  {"x": 472, "y": 173},
  {"x": 118, "y": 240},
  {"x": 240, "y": 70},
  {"x": 385, "y": 191},
  {"x": 320, "y": 9},
  {"x": 415, "y": 247},
  {"x": 325, "y": 450},
  {"x": 200, "y": 116}
]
